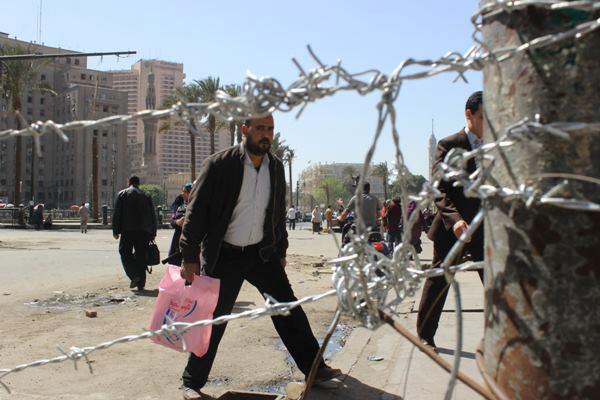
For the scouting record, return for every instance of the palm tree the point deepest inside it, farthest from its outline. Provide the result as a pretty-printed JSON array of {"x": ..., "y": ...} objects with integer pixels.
[
  {"x": 381, "y": 170},
  {"x": 289, "y": 158},
  {"x": 15, "y": 77},
  {"x": 208, "y": 91},
  {"x": 234, "y": 126},
  {"x": 188, "y": 93},
  {"x": 278, "y": 148}
]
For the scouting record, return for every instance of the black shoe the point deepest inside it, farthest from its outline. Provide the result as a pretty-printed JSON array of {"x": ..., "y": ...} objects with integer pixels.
[
  {"x": 326, "y": 373},
  {"x": 134, "y": 283}
]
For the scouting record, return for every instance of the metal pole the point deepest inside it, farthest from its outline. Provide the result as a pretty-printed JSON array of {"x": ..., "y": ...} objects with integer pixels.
[{"x": 542, "y": 265}]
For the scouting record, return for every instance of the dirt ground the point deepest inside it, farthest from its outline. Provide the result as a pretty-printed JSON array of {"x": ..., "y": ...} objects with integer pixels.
[{"x": 49, "y": 279}]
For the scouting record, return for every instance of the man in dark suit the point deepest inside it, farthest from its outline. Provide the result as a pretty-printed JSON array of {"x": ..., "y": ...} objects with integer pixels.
[
  {"x": 134, "y": 221},
  {"x": 454, "y": 213},
  {"x": 236, "y": 214}
]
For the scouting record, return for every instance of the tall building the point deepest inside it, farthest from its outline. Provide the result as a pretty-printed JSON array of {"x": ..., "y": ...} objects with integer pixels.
[
  {"x": 148, "y": 84},
  {"x": 62, "y": 176}
]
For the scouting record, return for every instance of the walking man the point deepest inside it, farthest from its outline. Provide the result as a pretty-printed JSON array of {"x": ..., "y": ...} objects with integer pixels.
[
  {"x": 392, "y": 217},
  {"x": 236, "y": 215},
  {"x": 84, "y": 215},
  {"x": 454, "y": 214},
  {"x": 134, "y": 221},
  {"x": 291, "y": 216}
]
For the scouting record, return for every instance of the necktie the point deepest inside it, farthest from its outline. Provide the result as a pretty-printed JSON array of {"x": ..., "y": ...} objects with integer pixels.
[{"x": 477, "y": 143}]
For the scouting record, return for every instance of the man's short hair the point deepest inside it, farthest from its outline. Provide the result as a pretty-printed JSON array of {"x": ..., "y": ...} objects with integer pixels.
[
  {"x": 248, "y": 122},
  {"x": 134, "y": 180},
  {"x": 367, "y": 187},
  {"x": 474, "y": 101}
]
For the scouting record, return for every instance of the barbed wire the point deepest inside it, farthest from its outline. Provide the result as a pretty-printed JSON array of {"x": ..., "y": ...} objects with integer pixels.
[
  {"x": 363, "y": 278},
  {"x": 272, "y": 307}
]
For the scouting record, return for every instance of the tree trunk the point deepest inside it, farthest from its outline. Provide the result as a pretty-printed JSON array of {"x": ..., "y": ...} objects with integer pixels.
[
  {"x": 192, "y": 153},
  {"x": 95, "y": 201},
  {"x": 18, "y": 169},
  {"x": 232, "y": 126},
  {"x": 291, "y": 187},
  {"x": 211, "y": 131},
  {"x": 239, "y": 133},
  {"x": 542, "y": 264}
]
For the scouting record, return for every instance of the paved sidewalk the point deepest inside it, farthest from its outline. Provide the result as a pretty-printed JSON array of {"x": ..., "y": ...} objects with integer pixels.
[{"x": 405, "y": 372}]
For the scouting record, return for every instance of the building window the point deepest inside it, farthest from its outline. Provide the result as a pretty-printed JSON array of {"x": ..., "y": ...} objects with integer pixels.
[
  {"x": 41, "y": 100},
  {"x": 29, "y": 99},
  {"x": 42, "y": 77},
  {"x": 77, "y": 61},
  {"x": 105, "y": 109},
  {"x": 82, "y": 76},
  {"x": 42, "y": 113},
  {"x": 104, "y": 182}
]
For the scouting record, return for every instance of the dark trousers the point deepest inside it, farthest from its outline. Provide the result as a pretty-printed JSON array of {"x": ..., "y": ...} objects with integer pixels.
[
  {"x": 394, "y": 238},
  {"x": 133, "y": 247},
  {"x": 174, "y": 256},
  {"x": 435, "y": 289},
  {"x": 292, "y": 224},
  {"x": 294, "y": 330}
]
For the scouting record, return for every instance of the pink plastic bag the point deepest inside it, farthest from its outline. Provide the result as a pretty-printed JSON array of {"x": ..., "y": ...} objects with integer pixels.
[{"x": 179, "y": 303}]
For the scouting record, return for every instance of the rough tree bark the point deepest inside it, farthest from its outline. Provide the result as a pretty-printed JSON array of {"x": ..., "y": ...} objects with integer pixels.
[{"x": 542, "y": 332}]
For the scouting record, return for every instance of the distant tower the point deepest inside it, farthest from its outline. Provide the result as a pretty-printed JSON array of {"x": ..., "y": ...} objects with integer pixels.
[
  {"x": 150, "y": 167},
  {"x": 431, "y": 148}
]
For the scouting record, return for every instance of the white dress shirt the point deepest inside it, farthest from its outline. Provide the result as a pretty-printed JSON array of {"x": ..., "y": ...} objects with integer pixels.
[
  {"x": 248, "y": 218},
  {"x": 474, "y": 141}
]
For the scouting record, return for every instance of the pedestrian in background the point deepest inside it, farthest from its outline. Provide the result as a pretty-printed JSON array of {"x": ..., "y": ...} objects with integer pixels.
[
  {"x": 329, "y": 218},
  {"x": 316, "y": 220},
  {"x": 291, "y": 217},
  {"x": 392, "y": 221},
  {"x": 134, "y": 222},
  {"x": 84, "y": 215},
  {"x": 177, "y": 217}
]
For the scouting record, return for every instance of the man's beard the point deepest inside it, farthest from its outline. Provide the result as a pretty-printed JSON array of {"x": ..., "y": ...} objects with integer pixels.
[{"x": 257, "y": 148}]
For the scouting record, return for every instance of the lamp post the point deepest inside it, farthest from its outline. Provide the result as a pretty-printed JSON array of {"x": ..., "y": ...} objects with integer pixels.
[{"x": 297, "y": 192}]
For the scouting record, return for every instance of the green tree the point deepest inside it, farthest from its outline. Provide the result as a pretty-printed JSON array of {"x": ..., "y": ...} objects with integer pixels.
[
  {"x": 155, "y": 192},
  {"x": 208, "y": 94},
  {"x": 234, "y": 126},
  {"x": 278, "y": 148},
  {"x": 189, "y": 93},
  {"x": 329, "y": 190},
  {"x": 288, "y": 158},
  {"x": 382, "y": 171},
  {"x": 414, "y": 184},
  {"x": 15, "y": 77}
]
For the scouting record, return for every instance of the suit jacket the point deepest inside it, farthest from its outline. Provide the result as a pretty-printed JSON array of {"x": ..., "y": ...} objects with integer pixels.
[
  {"x": 211, "y": 204},
  {"x": 134, "y": 212},
  {"x": 453, "y": 205}
]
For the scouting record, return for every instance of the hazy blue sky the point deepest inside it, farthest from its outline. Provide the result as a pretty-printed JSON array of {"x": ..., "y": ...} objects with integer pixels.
[{"x": 227, "y": 38}]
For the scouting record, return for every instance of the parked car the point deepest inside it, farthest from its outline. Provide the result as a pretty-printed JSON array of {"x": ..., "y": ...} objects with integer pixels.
[{"x": 307, "y": 217}]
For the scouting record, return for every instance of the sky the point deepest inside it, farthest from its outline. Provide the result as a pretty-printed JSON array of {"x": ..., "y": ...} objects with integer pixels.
[{"x": 228, "y": 38}]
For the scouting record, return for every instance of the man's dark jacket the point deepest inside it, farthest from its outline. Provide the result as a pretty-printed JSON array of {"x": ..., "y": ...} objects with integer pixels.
[
  {"x": 211, "y": 204},
  {"x": 134, "y": 212},
  {"x": 454, "y": 205}
]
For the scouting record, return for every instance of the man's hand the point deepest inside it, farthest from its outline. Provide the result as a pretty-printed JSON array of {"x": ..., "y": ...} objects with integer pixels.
[
  {"x": 116, "y": 236},
  {"x": 189, "y": 269},
  {"x": 459, "y": 228},
  {"x": 283, "y": 262},
  {"x": 179, "y": 222}
]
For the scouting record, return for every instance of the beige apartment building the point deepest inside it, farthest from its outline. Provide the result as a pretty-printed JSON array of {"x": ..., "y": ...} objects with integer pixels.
[
  {"x": 62, "y": 176},
  {"x": 172, "y": 146}
]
